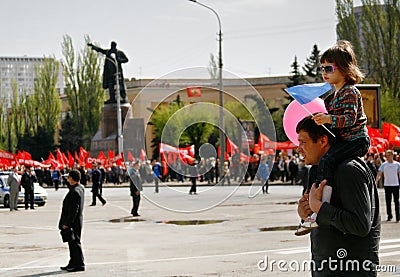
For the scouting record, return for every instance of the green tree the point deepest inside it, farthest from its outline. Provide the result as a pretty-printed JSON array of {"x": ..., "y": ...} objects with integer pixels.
[
  {"x": 347, "y": 29},
  {"x": 3, "y": 123},
  {"x": 185, "y": 127},
  {"x": 41, "y": 111},
  {"x": 311, "y": 67},
  {"x": 46, "y": 98},
  {"x": 70, "y": 138},
  {"x": 381, "y": 40},
  {"x": 376, "y": 43},
  {"x": 159, "y": 119},
  {"x": 83, "y": 89},
  {"x": 296, "y": 78},
  {"x": 17, "y": 117}
]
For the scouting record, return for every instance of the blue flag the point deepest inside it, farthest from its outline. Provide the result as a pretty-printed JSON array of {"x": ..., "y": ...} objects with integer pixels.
[{"x": 308, "y": 92}]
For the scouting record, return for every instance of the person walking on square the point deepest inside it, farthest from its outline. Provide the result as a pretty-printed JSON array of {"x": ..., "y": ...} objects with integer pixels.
[
  {"x": 345, "y": 115},
  {"x": 135, "y": 181},
  {"x": 96, "y": 183},
  {"x": 56, "y": 177},
  {"x": 194, "y": 173},
  {"x": 263, "y": 174},
  {"x": 13, "y": 182},
  {"x": 72, "y": 218},
  {"x": 27, "y": 181},
  {"x": 293, "y": 170},
  {"x": 391, "y": 172},
  {"x": 157, "y": 174}
]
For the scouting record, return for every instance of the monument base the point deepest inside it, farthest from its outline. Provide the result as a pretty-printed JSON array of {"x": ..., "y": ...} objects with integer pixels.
[{"x": 106, "y": 137}]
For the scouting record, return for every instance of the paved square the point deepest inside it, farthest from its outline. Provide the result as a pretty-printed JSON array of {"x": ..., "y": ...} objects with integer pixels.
[{"x": 115, "y": 245}]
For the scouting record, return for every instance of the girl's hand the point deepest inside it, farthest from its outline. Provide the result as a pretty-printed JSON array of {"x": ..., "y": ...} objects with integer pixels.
[
  {"x": 321, "y": 118},
  {"x": 315, "y": 196}
]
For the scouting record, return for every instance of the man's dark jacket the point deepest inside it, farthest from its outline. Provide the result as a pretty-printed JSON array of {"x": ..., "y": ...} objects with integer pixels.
[
  {"x": 135, "y": 181},
  {"x": 349, "y": 227},
  {"x": 72, "y": 208}
]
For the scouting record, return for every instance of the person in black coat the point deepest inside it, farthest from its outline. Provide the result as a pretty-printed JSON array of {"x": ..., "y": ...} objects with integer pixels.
[
  {"x": 27, "y": 181},
  {"x": 72, "y": 217},
  {"x": 135, "y": 187},
  {"x": 193, "y": 177},
  {"x": 96, "y": 183}
]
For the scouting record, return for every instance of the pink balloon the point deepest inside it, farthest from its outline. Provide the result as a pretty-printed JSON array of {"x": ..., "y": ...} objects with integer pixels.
[{"x": 294, "y": 113}]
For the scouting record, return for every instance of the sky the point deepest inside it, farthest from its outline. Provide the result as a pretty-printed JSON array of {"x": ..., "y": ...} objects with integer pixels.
[{"x": 260, "y": 37}]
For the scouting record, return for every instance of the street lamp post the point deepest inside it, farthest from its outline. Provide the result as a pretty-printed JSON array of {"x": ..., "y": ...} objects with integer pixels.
[{"x": 221, "y": 94}]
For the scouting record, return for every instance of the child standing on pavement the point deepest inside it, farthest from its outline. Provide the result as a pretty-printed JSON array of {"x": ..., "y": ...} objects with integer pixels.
[{"x": 345, "y": 115}]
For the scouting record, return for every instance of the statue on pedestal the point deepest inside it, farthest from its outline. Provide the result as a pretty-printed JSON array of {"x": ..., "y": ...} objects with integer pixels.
[{"x": 110, "y": 69}]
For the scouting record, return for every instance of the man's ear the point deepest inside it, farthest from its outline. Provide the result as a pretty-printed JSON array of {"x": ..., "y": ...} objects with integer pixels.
[{"x": 324, "y": 140}]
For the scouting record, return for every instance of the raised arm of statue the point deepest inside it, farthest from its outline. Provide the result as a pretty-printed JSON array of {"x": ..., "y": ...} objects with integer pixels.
[{"x": 97, "y": 49}]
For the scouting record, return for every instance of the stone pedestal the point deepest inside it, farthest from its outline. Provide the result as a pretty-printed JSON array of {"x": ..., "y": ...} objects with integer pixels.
[{"x": 106, "y": 137}]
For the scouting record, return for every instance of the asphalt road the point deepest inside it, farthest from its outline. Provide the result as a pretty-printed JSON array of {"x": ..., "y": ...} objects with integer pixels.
[{"x": 240, "y": 232}]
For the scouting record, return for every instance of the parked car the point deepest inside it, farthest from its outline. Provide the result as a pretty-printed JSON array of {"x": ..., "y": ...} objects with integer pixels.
[{"x": 40, "y": 196}]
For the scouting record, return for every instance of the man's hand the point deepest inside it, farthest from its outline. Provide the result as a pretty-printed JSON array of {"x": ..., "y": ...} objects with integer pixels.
[
  {"x": 321, "y": 118},
  {"x": 65, "y": 227},
  {"x": 316, "y": 196},
  {"x": 303, "y": 208}
]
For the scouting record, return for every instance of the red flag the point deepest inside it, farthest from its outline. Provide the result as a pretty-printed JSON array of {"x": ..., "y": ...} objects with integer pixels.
[
  {"x": 76, "y": 156},
  {"x": 170, "y": 158},
  {"x": 121, "y": 159},
  {"x": 285, "y": 145},
  {"x": 51, "y": 156},
  {"x": 142, "y": 155},
  {"x": 244, "y": 157},
  {"x": 60, "y": 158},
  {"x": 164, "y": 168},
  {"x": 394, "y": 135},
  {"x": 82, "y": 153},
  {"x": 163, "y": 157},
  {"x": 110, "y": 154},
  {"x": 130, "y": 156},
  {"x": 102, "y": 158},
  {"x": 385, "y": 130},
  {"x": 374, "y": 133},
  {"x": 70, "y": 160},
  {"x": 231, "y": 148},
  {"x": 27, "y": 155},
  {"x": 65, "y": 159},
  {"x": 193, "y": 92}
]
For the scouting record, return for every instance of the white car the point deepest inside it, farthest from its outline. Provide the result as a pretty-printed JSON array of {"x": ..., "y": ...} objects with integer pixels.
[{"x": 40, "y": 196}]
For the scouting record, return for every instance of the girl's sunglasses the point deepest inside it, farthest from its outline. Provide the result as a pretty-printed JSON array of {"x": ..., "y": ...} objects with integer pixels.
[{"x": 328, "y": 68}]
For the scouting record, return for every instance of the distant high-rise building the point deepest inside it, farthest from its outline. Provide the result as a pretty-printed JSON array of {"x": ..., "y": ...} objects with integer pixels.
[{"x": 21, "y": 70}]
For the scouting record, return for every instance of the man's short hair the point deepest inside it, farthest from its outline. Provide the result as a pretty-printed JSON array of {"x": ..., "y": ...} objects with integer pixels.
[
  {"x": 75, "y": 175},
  {"x": 314, "y": 130},
  {"x": 389, "y": 151}
]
